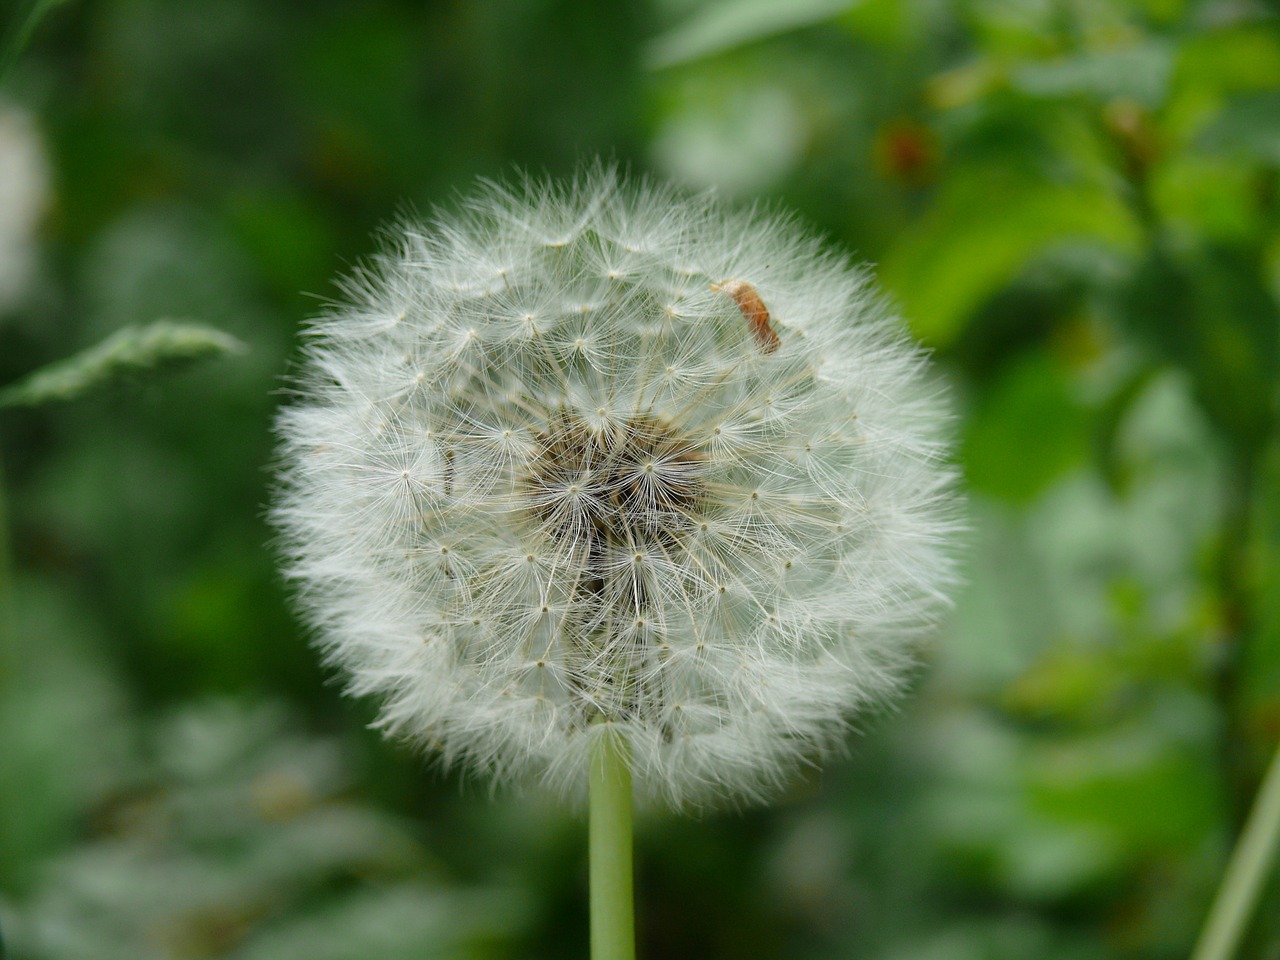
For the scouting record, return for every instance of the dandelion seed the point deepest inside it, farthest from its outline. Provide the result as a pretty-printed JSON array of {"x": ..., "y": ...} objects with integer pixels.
[{"x": 662, "y": 505}]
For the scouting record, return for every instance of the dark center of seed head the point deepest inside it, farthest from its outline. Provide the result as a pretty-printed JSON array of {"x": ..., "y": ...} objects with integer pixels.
[{"x": 633, "y": 483}]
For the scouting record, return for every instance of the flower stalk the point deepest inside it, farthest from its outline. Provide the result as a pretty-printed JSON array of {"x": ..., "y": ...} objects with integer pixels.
[
  {"x": 1246, "y": 874},
  {"x": 609, "y": 845}
]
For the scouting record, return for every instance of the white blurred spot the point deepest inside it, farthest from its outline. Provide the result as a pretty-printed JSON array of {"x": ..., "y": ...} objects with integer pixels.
[
  {"x": 741, "y": 145},
  {"x": 24, "y": 195}
]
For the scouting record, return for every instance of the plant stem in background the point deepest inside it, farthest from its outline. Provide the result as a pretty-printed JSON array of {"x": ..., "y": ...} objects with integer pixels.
[
  {"x": 612, "y": 914},
  {"x": 1246, "y": 873},
  {"x": 1239, "y": 627},
  {"x": 7, "y": 614},
  {"x": 19, "y": 32}
]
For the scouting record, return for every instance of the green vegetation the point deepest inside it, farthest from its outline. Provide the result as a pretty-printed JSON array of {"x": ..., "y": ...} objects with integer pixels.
[{"x": 1075, "y": 204}]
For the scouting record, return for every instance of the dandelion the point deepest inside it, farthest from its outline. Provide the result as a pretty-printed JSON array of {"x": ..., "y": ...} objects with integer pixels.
[{"x": 599, "y": 474}]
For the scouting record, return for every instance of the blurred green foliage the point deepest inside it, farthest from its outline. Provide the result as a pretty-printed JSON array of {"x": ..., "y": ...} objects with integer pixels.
[
  {"x": 1076, "y": 205},
  {"x": 130, "y": 351}
]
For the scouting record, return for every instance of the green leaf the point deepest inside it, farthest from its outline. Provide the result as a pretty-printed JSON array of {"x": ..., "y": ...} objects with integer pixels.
[
  {"x": 1208, "y": 311},
  {"x": 1108, "y": 421},
  {"x": 1148, "y": 795},
  {"x": 19, "y": 32},
  {"x": 1248, "y": 125},
  {"x": 1140, "y": 72},
  {"x": 982, "y": 231},
  {"x": 1243, "y": 57},
  {"x": 1025, "y": 433},
  {"x": 723, "y": 26},
  {"x": 126, "y": 352}
]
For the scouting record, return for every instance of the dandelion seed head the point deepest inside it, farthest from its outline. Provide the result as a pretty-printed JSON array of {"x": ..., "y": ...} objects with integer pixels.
[{"x": 597, "y": 458}]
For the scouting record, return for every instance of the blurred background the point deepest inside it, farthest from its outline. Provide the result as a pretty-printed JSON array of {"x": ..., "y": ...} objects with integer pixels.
[{"x": 1076, "y": 205}]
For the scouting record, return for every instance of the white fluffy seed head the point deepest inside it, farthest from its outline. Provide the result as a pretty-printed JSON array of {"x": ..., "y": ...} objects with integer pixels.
[{"x": 595, "y": 458}]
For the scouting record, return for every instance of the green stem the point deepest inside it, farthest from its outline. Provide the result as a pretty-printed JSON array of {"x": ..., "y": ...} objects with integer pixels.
[
  {"x": 8, "y": 618},
  {"x": 1239, "y": 625},
  {"x": 612, "y": 914},
  {"x": 1246, "y": 873},
  {"x": 20, "y": 32}
]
